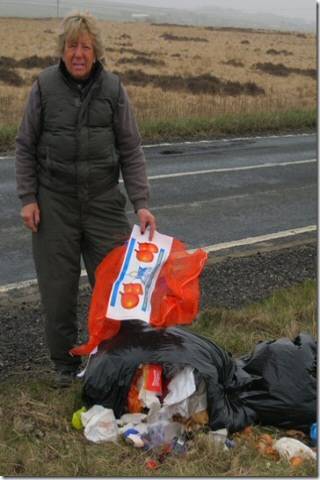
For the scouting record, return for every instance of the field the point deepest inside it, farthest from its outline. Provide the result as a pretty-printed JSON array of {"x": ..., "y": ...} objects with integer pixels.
[
  {"x": 36, "y": 437},
  {"x": 175, "y": 73}
]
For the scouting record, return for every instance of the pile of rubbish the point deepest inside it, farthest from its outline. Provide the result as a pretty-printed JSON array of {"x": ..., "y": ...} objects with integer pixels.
[
  {"x": 156, "y": 384},
  {"x": 158, "y": 387}
]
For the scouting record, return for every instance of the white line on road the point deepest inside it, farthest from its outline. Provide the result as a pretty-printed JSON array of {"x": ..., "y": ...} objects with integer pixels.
[
  {"x": 196, "y": 142},
  {"x": 208, "y": 249},
  {"x": 230, "y": 169},
  {"x": 258, "y": 239}
]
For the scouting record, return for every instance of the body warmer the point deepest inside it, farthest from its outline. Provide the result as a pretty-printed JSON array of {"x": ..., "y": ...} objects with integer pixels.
[{"x": 76, "y": 151}]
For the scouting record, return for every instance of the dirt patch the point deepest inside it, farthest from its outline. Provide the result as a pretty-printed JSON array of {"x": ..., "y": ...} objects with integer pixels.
[
  {"x": 141, "y": 59},
  {"x": 7, "y": 62},
  {"x": 134, "y": 51},
  {"x": 176, "y": 38},
  {"x": 124, "y": 44},
  {"x": 272, "y": 51},
  {"x": 201, "y": 84},
  {"x": 179, "y": 25},
  {"x": 37, "y": 62},
  {"x": 10, "y": 77},
  {"x": 233, "y": 62},
  {"x": 282, "y": 70},
  {"x": 28, "y": 62},
  {"x": 254, "y": 31}
]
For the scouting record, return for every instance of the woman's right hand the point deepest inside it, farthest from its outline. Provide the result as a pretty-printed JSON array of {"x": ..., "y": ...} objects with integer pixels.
[{"x": 31, "y": 216}]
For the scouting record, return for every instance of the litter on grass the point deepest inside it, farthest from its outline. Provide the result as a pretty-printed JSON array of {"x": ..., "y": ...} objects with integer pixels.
[{"x": 153, "y": 382}]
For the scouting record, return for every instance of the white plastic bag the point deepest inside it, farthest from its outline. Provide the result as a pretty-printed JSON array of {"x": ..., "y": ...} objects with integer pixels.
[
  {"x": 290, "y": 447},
  {"x": 183, "y": 398},
  {"x": 100, "y": 424}
]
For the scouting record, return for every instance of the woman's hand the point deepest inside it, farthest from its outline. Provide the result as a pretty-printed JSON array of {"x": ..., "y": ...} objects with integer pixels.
[
  {"x": 31, "y": 216},
  {"x": 146, "y": 219}
]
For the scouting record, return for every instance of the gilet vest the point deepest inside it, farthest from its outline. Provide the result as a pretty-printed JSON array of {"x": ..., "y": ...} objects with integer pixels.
[{"x": 76, "y": 152}]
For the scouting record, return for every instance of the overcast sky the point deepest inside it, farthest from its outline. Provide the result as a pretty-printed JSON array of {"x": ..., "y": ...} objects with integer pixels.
[{"x": 305, "y": 9}]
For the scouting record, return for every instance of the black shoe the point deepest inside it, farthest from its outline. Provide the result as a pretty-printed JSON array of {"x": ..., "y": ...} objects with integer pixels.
[{"x": 65, "y": 378}]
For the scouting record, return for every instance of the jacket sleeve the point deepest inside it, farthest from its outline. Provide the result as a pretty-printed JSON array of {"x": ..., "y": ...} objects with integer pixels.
[
  {"x": 26, "y": 144},
  {"x": 131, "y": 156}
]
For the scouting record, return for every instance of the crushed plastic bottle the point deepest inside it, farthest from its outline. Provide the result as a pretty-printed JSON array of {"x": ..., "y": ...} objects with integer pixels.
[
  {"x": 179, "y": 445},
  {"x": 163, "y": 432}
]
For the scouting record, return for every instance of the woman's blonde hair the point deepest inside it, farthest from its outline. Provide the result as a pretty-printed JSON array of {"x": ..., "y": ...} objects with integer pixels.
[{"x": 73, "y": 25}]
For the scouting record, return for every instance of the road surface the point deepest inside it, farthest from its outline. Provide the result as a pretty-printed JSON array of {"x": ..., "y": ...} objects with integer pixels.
[{"x": 203, "y": 193}]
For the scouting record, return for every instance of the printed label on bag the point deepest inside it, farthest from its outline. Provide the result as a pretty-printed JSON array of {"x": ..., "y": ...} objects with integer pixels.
[
  {"x": 131, "y": 293},
  {"x": 153, "y": 378}
]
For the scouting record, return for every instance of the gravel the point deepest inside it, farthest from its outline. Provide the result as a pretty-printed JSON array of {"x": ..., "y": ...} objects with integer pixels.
[{"x": 230, "y": 282}]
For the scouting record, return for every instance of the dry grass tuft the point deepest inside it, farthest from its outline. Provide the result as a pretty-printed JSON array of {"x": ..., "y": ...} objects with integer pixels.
[
  {"x": 272, "y": 51},
  {"x": 282, "y": 70},
  {"x": 11, "y": 77},
  {"x": 233, "y": 62},
  {"x": 141, "y": 60},
  {"x": 207, "y": 84},
  {"x": 170, "y": 36}
]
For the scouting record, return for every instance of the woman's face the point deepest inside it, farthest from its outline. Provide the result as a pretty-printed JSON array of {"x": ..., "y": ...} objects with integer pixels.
[{"x": 79, "y": 56}]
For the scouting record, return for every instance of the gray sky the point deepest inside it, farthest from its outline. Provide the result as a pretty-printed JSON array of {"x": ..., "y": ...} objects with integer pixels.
[{"x": 304, "y": 9}]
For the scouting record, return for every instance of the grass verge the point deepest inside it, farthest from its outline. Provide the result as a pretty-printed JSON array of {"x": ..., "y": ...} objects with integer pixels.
[
  {"x": 228, "y": 124},
  {"x": 7, "y": 137},
  {"x": 204, "y": 128},
  {"x": 36, "y": 437}
]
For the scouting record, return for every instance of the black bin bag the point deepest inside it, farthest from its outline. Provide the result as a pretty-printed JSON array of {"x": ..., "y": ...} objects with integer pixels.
[
  {"x": 231, "y": 385},
  {"x": 285, "y": 393}
]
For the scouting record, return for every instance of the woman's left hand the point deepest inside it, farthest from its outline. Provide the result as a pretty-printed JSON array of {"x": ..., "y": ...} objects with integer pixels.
[{"x": 146, "y": 219}]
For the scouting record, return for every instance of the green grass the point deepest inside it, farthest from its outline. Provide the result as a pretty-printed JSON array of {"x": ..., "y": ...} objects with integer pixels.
[
  {"x": 203, "y": 128},
  {"x": 36, "y": 438},
  {"x": 229, "y": 124},
  {"x": 7, "y": 137}
]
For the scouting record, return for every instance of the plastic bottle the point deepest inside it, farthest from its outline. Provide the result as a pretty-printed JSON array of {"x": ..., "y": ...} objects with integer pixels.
[
  {"x": 314, "y": 433},
  {"x": 162, "y": 432},
  {"x": 179, "y": 445}
]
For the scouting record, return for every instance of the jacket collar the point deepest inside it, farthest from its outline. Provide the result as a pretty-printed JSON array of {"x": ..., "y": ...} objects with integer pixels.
[{"x": 95, "y": 73}]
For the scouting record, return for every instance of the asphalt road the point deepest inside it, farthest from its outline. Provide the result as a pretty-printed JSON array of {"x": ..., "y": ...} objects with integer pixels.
[{"x": 202, "y": 193}]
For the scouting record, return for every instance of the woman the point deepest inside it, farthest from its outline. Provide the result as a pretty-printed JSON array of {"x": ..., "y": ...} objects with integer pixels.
[{"x": 77, "y": 133}]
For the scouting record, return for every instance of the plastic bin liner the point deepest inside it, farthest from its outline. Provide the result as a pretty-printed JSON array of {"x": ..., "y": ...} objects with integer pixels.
[
  {"x": 175, "y": 299},
  {"x": 285, "y": 393},
  {"x": 111, "y": 370},
  {"x": 237, "y": 393}
]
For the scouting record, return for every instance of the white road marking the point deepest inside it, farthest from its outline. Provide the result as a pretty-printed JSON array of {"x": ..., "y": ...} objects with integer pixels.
[
  {"x": 208, "y": 249},
  {"x": 196, "y": 142},
  {"x": 230, "y": 169},
  {"x": 258, "y": 239}
]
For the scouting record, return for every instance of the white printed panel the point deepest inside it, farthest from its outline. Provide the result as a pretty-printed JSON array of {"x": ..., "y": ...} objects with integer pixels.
[{"x": 131, "y": 293}]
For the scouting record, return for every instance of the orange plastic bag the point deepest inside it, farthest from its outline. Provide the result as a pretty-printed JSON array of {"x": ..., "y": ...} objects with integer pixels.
[{"x": 175, "y": 299}]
